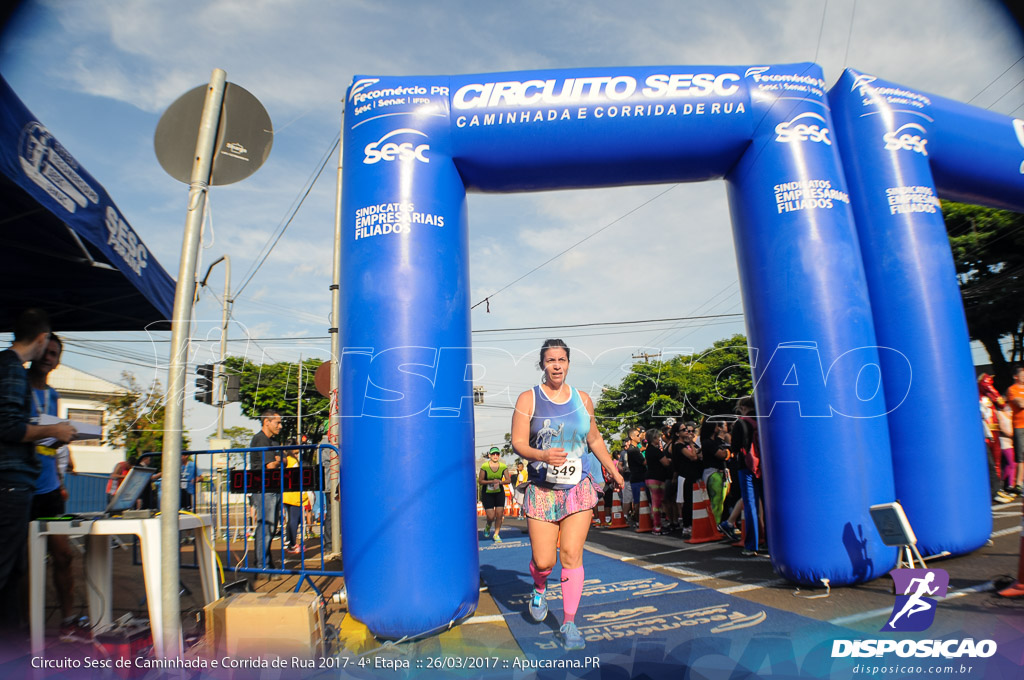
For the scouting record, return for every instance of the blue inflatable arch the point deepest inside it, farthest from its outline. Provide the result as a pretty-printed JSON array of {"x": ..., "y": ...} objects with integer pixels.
[{"x": 415, "y": 145}]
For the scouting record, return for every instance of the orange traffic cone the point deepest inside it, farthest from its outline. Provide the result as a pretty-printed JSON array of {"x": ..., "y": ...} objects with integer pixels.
[
  {"x": 599, "y": 515},
  {"x": 1017, "y": 589},
  {"x": 704, "y": 529},
  {"x": 618, "y": 520},
  {"x": 743, "y": 532},
  {"x": 479, "y": 509},
  {"x": 508, "y": 502},
  {"x": 644, "y": 525}
]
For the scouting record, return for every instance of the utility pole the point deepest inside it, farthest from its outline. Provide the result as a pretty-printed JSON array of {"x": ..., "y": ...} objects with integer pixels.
[
  {"x": 645, "y": 356},
  {"x": 220, "y": 378},
  {"x": 298, "y": 420}
]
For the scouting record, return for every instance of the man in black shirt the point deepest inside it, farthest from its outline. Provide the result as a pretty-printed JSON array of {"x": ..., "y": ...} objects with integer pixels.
[
  {"x": 637, "y": 473},
  {"x": 268, "y": 512},
  {"x": 19, "y": 467}
]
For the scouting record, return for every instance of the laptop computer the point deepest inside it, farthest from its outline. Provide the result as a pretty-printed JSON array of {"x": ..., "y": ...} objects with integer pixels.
[{"x": 132, "y": 486}]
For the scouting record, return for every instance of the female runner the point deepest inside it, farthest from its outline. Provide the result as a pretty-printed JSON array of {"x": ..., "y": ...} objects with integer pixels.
[{"x": 552, "y": 427}]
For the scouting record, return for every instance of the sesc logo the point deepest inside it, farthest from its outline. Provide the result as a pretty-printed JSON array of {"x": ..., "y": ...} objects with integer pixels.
[
  {"x": 808, "y": 130},
  {"x": 909, "y": 140},
  {"x": 382, "y": 150}
]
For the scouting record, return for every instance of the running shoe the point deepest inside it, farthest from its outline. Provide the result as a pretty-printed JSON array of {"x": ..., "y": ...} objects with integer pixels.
[
  {"x": 487, "y": 531},
  {"x": 497, "y": 538},
  {"x": 571, "y": 637},
  {"x": 538, "y": 606},
  {"x": 729, "y": 530},
  {"x": 1002, "y": 497}
]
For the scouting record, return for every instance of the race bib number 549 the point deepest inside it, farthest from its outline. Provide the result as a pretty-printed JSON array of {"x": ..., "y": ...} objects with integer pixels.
[{"x": 569, "y": 472}]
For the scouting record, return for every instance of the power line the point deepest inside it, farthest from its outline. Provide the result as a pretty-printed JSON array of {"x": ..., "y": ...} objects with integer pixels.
[
  {"x": 280, "y": 233},
  {"x": 605, "y": 323},
  {"x": 989, "y": 107},
  {"x": 849, "y": 34},
  {"x": 821, "y": 30},
  {"x": 587, "y": 238},
  {"x": 996, "y": 78},
  {"x": 486, "y": 330}
]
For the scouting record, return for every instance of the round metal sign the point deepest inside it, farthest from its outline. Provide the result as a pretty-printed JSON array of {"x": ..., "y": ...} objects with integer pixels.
[
  {"x": 322, "y": 379},
  {"x": 244, "y": 135}
]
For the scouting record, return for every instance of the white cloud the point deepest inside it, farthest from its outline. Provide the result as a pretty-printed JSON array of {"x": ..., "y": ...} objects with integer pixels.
[{"x": 671, "y": 257}]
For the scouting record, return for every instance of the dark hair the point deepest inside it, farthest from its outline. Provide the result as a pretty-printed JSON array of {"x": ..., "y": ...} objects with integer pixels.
[
  {"x": 269, "y": 413},
  {"x": 548, "y": 344},
  {"x": 60, "y": 346},
  {"x": 1018, "y": 370},
  {"x": 707, "y": 428},
  {"x": 745, "y": 402},
  {"x": 30, "y": 324}
]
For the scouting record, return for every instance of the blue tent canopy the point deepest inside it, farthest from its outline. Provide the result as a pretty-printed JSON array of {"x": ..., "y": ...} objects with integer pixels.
[{"x": 65, "y": 247}]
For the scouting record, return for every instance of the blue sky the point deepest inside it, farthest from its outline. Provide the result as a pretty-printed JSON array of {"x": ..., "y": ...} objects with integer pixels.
[{"x": 98, "y": 74}]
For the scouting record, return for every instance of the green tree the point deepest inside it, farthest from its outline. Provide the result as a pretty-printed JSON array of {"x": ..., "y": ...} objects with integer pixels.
[
  {"x": 276, "y": 386},
  {"x": 239, "y": 436},
  {"x": 687, "y": 387},
  {"x": 136, "y": 418},
  {"x": 988, "y": 249}
]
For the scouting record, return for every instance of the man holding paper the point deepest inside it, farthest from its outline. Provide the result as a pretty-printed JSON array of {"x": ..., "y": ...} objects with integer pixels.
[
  {"x": 50, "y": 493},
  {"x": 19, "y": 467}
]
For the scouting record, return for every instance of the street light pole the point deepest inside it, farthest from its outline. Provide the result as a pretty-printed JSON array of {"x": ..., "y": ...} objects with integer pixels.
[
  {"x": 220, "y": 378},
  {"x": 169, "y": 643},
  {"x": 334, "y": 426}
]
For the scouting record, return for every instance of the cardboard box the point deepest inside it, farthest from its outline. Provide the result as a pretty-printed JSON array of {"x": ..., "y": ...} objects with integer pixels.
[{"x": 266, "y": 625}]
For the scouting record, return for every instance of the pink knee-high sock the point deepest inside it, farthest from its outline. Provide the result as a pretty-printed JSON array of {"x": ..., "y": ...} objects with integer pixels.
[
  {"x": 540, "y": 578},
  {"x": 572, "y": 591}
]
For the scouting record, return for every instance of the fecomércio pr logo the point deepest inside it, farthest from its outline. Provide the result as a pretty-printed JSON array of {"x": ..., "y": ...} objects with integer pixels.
[{"x": 914, "y": 609}]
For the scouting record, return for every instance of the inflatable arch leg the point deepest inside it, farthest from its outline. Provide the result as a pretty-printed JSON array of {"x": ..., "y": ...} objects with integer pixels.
[
  {"x": 811, "y": 334},
  {"x": 939, "y": 460}
]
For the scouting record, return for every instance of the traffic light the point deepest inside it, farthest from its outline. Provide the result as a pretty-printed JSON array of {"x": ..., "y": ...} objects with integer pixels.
[
  {"x": 204, "y": 383},
  {"x": 234, "y": 386}
]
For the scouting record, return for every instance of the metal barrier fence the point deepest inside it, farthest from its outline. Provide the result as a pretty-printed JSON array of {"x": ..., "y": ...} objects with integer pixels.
[{"x": 254, "y": 508}]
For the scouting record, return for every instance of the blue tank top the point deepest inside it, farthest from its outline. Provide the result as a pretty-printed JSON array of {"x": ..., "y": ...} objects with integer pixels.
[
  {"x": 45, "y": 401},
  {"x": 564, "y": 426}
]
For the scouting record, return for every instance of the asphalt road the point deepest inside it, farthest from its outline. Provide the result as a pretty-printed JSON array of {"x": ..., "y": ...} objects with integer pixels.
[{"x": 970, "y": 603}]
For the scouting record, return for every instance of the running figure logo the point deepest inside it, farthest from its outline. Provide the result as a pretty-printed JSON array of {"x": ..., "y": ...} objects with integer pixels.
[
  {"x": 914, "y": 610},
  {"x": 548, "y": 433}
]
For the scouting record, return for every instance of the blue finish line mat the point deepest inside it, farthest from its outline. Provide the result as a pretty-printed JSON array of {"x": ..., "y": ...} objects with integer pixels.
[{"x": 640, "y": 623}]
